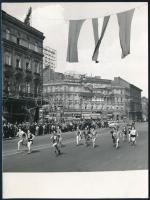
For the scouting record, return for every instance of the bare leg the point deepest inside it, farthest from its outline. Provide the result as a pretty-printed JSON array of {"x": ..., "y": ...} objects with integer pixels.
[{"x": 19, "y": 143}]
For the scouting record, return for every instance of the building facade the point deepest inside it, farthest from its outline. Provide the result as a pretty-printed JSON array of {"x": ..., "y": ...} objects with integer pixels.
[
  {"x": 84, "y": 95},
  {"x": 135, "y": 103},
  {"x": 49, "y": 64},
  {"x": 22, "y": 68}
]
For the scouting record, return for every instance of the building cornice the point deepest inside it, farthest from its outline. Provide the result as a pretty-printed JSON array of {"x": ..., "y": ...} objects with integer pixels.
[{"x": 7, "y": 17}]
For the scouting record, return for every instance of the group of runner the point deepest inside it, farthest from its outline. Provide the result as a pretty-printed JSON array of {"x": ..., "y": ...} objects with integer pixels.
[
  {"x": 87, "y": 135},
  {"x": 130, "y": 134}
]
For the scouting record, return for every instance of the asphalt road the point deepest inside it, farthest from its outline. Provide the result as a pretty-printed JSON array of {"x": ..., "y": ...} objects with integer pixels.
[{"x": 104, "y": 157}]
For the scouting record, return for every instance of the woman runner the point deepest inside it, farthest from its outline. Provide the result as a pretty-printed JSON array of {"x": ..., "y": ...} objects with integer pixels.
[{"x": 30, "y": 138}]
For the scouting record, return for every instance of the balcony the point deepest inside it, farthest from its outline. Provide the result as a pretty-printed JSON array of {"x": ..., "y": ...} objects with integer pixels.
[
  {"x": 8, "y": 70},
  {"x": 28, "y": 76},
  {"x": 18, "y": 74}
]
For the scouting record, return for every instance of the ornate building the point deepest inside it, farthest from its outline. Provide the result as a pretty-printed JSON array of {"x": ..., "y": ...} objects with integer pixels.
[
  {"x": 85, "y": 95},
  {"x": 135, "y": 103},
  {"x": 22, "y": 68}
]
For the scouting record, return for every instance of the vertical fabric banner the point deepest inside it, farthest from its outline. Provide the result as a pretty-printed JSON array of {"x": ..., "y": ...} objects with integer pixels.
[
  {"x": 74, "y": 30},
  {"x": 95, "y": 32},
  {"x": 105, "y": 22},
  {"x": 124, "y": 21}
]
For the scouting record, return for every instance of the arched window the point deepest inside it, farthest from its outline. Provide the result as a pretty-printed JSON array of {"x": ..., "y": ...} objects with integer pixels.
[
  {"x": 7, "y": 58},
  {"x": 7, "y": 34},
  {"x": 28, "y": 64},
  {"x": 18, "y": 61},
  {"x": 36, "y": 47},
  {"x": 28, "y": 88},
  {"x": 36, "y": 67}
]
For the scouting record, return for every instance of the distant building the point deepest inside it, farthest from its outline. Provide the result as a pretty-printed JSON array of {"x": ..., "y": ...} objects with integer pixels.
[
  {"x": 144, "y": 109},
  {"x": 22, "y": 47},
  {"x": 135, "y": 103},
  {"x": 82, "y": 95},
  {"x": 49, "y": 63},
  {"x": 49, "y": 75}
]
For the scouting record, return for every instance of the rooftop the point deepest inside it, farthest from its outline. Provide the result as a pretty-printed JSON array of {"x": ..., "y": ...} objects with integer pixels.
[{"x": 6, "y": 16}]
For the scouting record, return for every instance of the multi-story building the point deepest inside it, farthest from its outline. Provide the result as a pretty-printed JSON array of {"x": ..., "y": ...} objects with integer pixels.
[
  {"x": 135, "y": 103},
  {"x": 120, "y": 98},
  {"x": 22, "y": 67},
  {"x": 89, "y": 95},
  {"x": 49, "y": 64}
]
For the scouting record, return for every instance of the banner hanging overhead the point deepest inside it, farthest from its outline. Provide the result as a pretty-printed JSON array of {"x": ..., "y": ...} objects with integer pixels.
[{"x": 124, "y": 21}]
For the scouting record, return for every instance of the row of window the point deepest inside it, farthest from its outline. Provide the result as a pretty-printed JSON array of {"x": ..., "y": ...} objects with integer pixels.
[
  {"x": 18, "y": 62},
  {"x": 20, "y": 41},
  {"x": 89, "y": 107},
  {"x": 76, "y": 89},
  {"x": 118, "y": 91},
  {"x": 20, "y": 88}
]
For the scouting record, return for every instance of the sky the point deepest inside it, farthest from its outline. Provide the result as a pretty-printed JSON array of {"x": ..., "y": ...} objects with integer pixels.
[{"x": 53, "y": 20}]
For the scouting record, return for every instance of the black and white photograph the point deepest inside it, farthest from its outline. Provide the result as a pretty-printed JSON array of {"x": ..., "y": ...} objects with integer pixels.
[{"x": 75, "y": 99}]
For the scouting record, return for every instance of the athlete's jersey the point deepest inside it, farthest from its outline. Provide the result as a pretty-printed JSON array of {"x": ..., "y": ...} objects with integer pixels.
[
  {"x": 21, "y": 134},
  {"x": 133, "y": 133},
  {"x": 54, "y": 139},
  {"x": 93, "y": 132},
  {"x": 30, "y": 137},
  {"x": 78, "y": 132},
  {"x": 124, "y": 131},
  {"x": 116, "y": 134}
]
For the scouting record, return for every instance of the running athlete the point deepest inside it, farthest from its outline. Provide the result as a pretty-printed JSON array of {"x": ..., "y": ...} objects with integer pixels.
[
  {"x": 93, "y": 133},
  {"x": 129, "y": 135},
  {"x": 112, "y": 134},
  {"x": 116, "y": 135},
  {"x": 59, "y": 134},
  {"x": 55, "y": 142},
  {"x": 30, "y": 138},
  {"x": 78, "y": 135},
  {"x": 124, "y": 133},
  {"x": 85, "y": 134},
  {"x": 22, "y": 137},
  {"x": 133, "y": 135}
]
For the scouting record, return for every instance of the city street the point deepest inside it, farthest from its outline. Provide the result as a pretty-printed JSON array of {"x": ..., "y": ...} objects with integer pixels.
[{"x": 104, "y": 157}]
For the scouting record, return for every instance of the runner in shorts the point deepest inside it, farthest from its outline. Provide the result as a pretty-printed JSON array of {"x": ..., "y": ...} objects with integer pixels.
[
  {"x": 22, "y": 137},
  {"x": 30, "y": 138},
  {"x": 133, "y": 134},
  {"x": 124, "y": 133},
  {"x": 55, "y": 143}
]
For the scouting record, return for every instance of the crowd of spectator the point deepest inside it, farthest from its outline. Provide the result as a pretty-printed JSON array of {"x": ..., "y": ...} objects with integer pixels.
[{"x": 10, "y": 130}]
